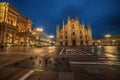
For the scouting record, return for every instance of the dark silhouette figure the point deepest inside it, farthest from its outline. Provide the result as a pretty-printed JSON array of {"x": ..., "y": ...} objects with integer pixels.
[{"x": 1, "y": 47}]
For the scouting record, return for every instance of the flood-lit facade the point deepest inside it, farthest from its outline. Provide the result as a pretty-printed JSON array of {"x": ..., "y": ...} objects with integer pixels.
[
  {"x": 110, "y": 40},
  {"x": 74, "y": 33},
  {"x": 16, "y": 29},
  {"x": 40, "y": 38}
]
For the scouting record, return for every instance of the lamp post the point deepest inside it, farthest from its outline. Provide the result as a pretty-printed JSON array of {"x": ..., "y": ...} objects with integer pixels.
[
  {"x": 107, "y": 36},
  {"x": 39, "y": 30},
  {"x": 99, "y": 42},
  {"x": 51, "y": 38}
]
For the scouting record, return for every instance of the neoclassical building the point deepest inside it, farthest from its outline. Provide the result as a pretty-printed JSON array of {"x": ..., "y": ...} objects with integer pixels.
[
  {"x": 15, "y": 28},
  {"x": 108, "y": 40},
  {"x": 40, "y": 37},
  {"x": 73, "y": 33}
]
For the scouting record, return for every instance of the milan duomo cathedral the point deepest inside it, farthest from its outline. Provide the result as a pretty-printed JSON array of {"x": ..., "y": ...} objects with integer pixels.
[{"x": 73, "y": 33}]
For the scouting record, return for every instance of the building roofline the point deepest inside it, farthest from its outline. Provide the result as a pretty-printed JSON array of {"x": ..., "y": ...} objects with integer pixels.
[{"x": 9, "y": 5}]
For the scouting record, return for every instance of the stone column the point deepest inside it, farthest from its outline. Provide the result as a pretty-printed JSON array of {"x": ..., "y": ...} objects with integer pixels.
[
  {"x": 25, "y": 39},
  {"x": 1, "y": 35},
  {"x": 3, "y": 39},
  {"x": 29, "y": 39},
  {"x": 18, "y": 41},
  {"x": 13, "y": 38}
]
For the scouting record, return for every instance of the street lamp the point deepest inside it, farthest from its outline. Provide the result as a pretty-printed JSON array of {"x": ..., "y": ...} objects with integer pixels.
[
  {"x": 51, "y": 38},
  {"x": 39, "y": 30},
  {"x": 99, "y": 42},
  {"x": 107, "y": 36}
]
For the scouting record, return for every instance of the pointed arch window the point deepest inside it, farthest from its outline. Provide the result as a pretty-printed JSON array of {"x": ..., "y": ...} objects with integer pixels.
[
  {"x": 65, "y": 32},
  {"x": 66, "y": 37},
  {"x": 73, "y": 33},
  {"x": 80, "y": 32},
  {"x": 80, "y": 37},
  {"x": 73, "y": 26}
]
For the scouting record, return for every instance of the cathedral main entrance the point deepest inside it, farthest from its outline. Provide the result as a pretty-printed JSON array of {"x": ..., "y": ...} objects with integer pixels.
[{"x": 73, "y": 42}]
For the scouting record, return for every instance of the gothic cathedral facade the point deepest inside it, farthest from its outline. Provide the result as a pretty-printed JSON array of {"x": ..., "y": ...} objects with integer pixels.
[{"x": 73, "y": 33}]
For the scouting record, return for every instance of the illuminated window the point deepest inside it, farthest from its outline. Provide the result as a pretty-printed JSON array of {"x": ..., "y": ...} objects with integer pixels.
[
  {"x": 72, "y": 26},
  {"x": 80, "y": 32},
  {"x": 66, "y": 43},
  {"x": 65, "y": 32},
  {"x": 73, "y": 33},
  {"x": 66, "y": 37},
  {"x": 80, "y": 37},
  {"x": 11, "y": 22},
  {"x": 60, "y": 36},
  {"x": 61, "y": 43},
  {"x": 86, "y": 37},
  {"x": 87, "y": 42}
]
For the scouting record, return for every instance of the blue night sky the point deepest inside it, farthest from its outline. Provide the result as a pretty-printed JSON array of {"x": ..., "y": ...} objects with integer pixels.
[{"x": 104, "y": 15}]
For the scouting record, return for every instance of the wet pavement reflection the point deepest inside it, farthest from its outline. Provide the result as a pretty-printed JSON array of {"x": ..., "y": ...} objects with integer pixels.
[{"x": 56, "y": 63}]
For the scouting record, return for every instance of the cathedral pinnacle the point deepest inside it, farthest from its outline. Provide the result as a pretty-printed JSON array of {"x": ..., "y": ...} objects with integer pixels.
[
  {"x": 76, "y": 18},
  {"x": 68, "y": 18},
  {"x": 89, "y": 26},
  {"x": 82, "y": 22},
  {"x": 63, "y": 23}
]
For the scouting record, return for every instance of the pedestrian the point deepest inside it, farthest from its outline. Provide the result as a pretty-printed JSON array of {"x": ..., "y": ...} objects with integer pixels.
[
  {"x": 36, "y": 57},
  {"x": 63, "y": 58},
  {"x": 31, "y": 58},
  {"x": 1, "y": 47},
  {"x": 45, "y": 61},
  {"x": 16, "y": 64},
  {"x": 60, "y": 62},
  {"x": 33, "y": 63},
  {"x": 49, "y": 61},
  {"x": 39, "y": 61}
]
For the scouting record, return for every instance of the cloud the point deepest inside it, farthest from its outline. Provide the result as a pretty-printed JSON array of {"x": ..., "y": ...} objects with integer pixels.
[{"x": 104, "y": 15}]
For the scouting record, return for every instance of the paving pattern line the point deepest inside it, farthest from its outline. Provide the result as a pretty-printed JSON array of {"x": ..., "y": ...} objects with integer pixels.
[
  {"x": 66, "y": 76},
  {"x": 80, "y": 51},
  {"x": 61, "y": 51},
  {"x": 76, "y": 54},
  {"x": 94, "y": 63},
  {"x": 84, "y": 52},
  {"x": 26, "y": 75}
]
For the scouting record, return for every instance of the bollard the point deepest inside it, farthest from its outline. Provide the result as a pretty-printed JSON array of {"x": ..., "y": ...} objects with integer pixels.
[
  {"x": 39, "y": 61},
  {"x": 31, "y": 58},
  {"x": 33, "y": 63},
  {"x": 35, "y": 57},
  {"x": 63, "y": 58},
  {"x": 50, "y": 62},
  {"x": 16, "y": 64}
]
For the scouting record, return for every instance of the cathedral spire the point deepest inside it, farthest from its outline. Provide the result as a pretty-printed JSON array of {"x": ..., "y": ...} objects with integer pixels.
[
  {"x": 58, "y": 28},
  {"x": 89, "y": 26},
  {"x": 77, "y": 21},
  {"x": 68, "y": 22},
  {"x": 76, "y": 18},
  {"x": 63, "y": 23},
  {"x": 68, "y": 17},
  {"x": 82, "y": 22}
]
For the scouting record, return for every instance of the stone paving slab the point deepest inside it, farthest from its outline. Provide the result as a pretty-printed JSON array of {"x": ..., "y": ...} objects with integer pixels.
[
  {"x": 96, "y": 72},
  {"x": 8, "y": 72},
  {"x": 88, "y": 66},
  {"x": 49, "y": 75},
  {"x": 66, "y": 76},
  {"x": 43, "y": 75},
  {"x": 19, "y": 74}
]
